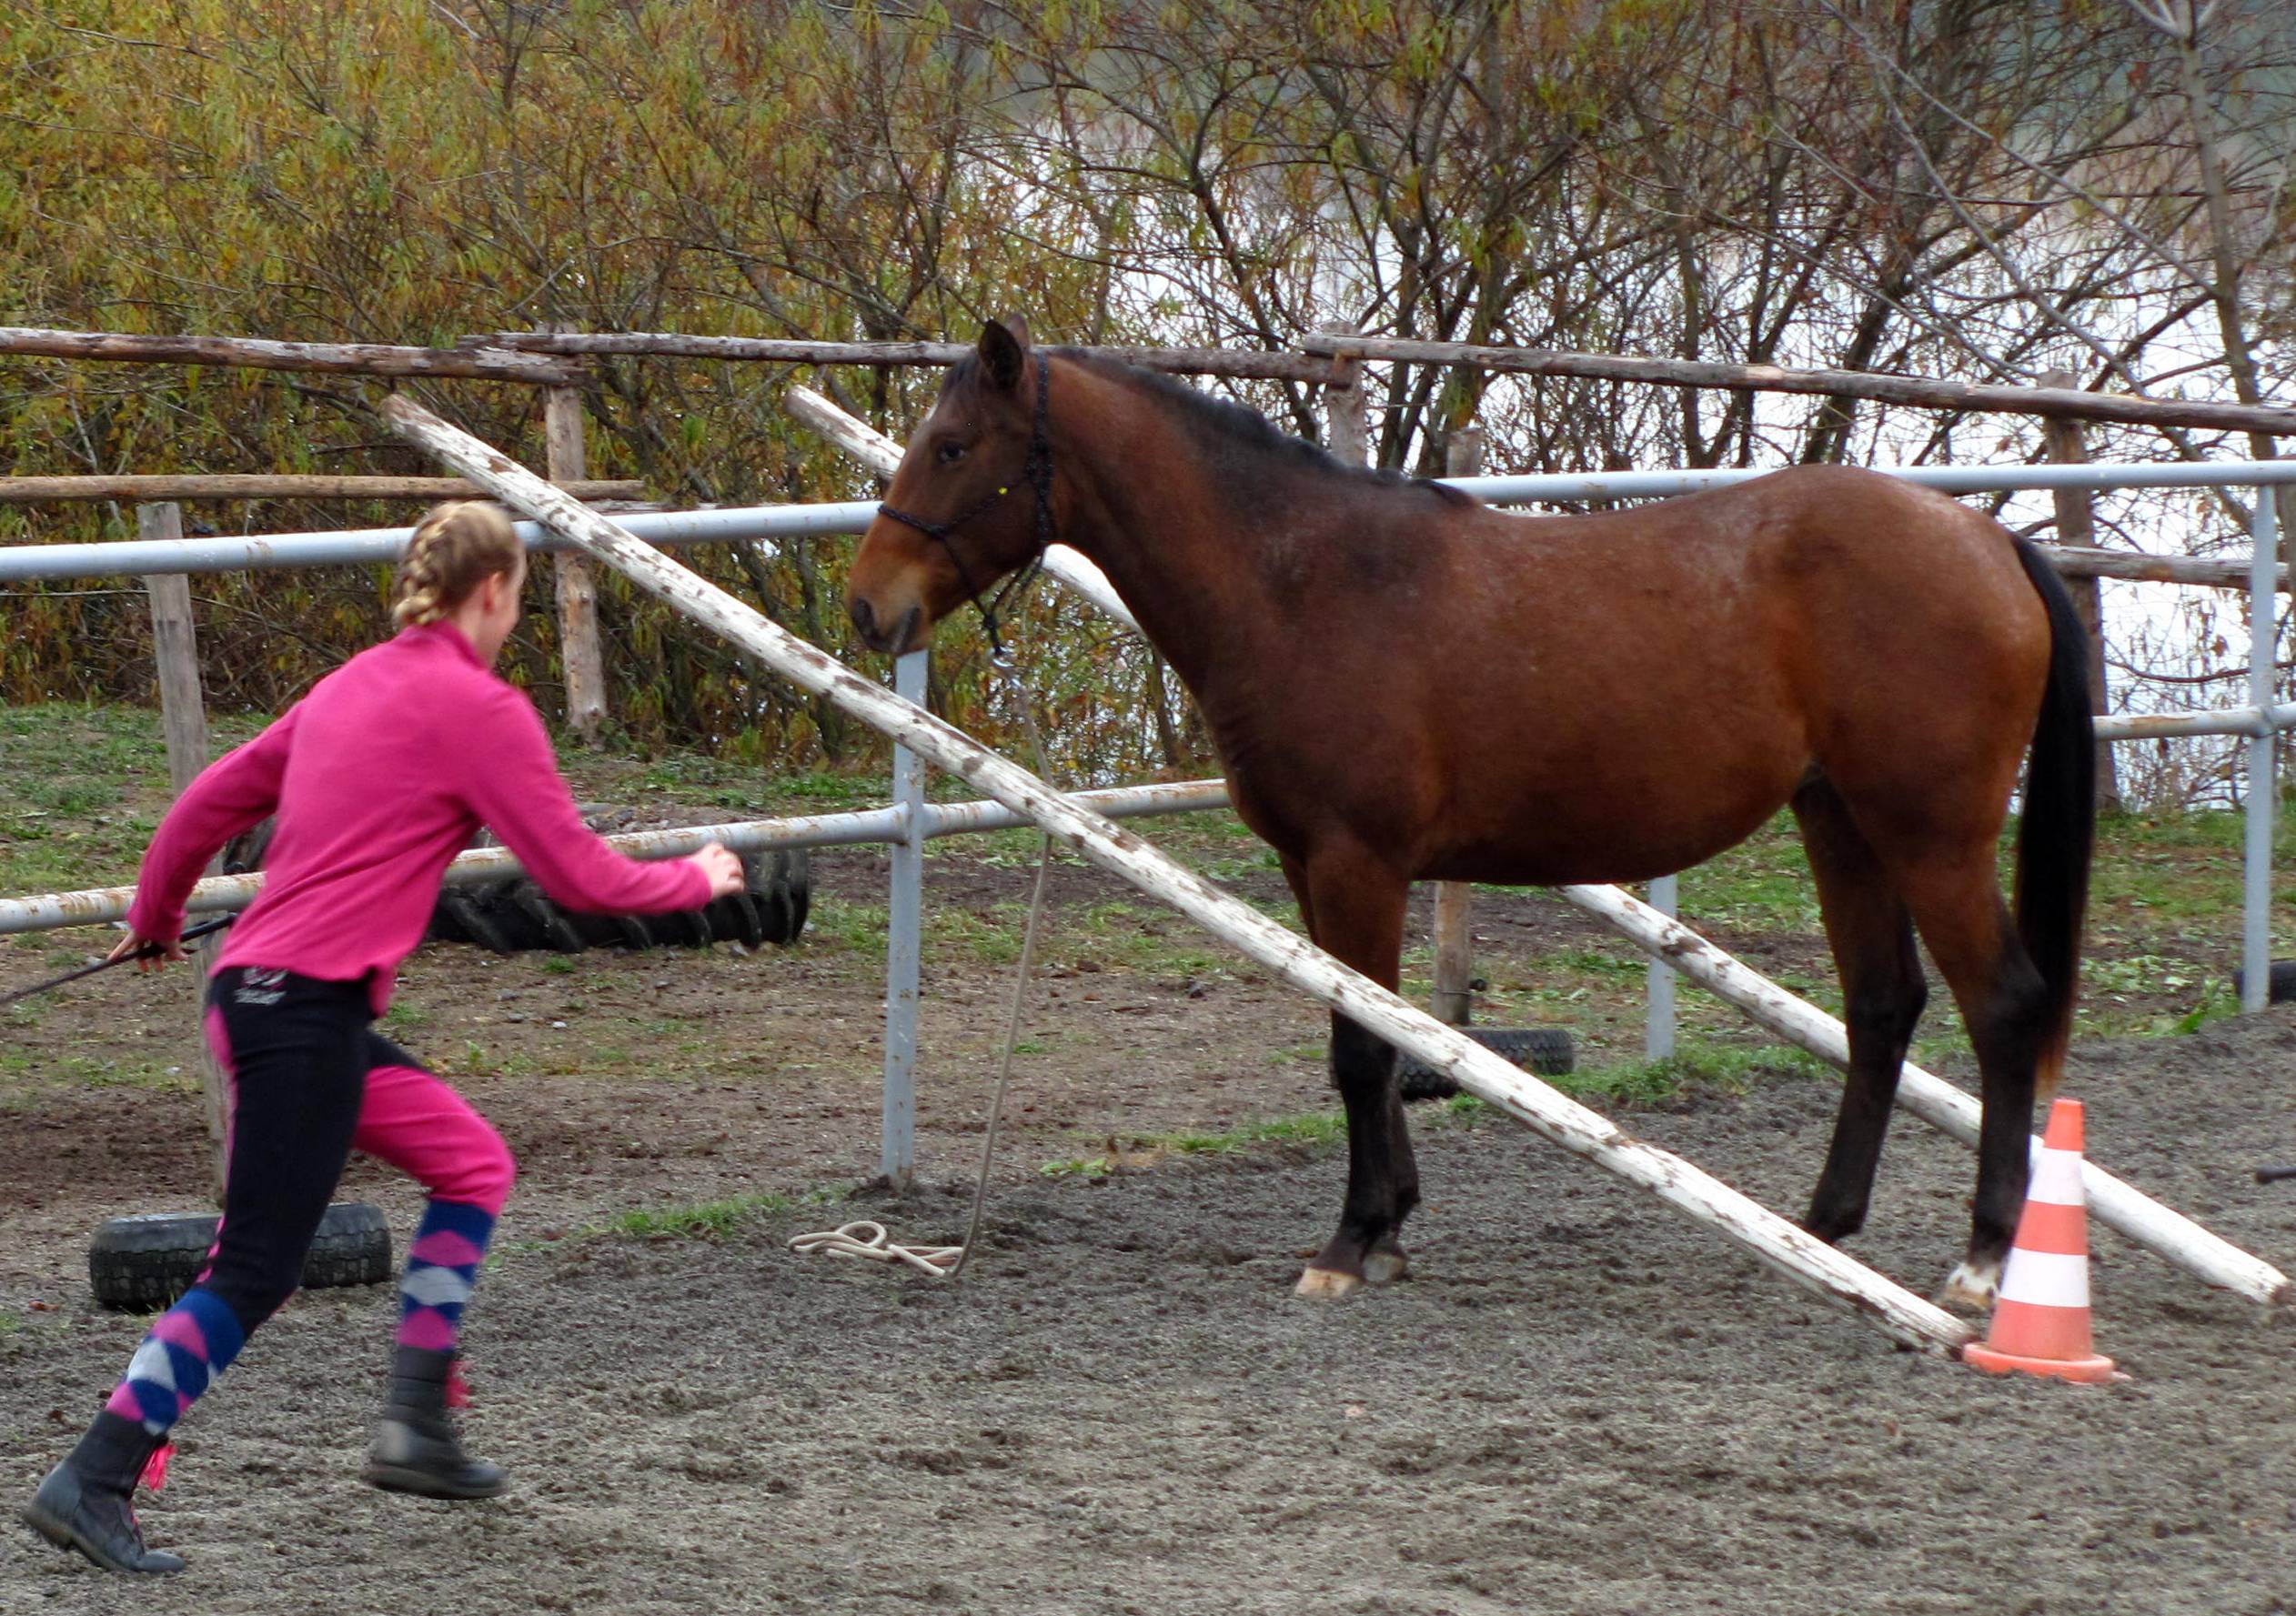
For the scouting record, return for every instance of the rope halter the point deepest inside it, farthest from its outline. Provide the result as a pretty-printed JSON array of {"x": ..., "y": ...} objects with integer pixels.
[{"x": 1036, "y": 471}]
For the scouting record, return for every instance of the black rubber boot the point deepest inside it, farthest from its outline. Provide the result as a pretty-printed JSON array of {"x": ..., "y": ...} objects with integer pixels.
[
  {"x": 415, "y": 1448},
  {"x": 83, "y": 1504}
]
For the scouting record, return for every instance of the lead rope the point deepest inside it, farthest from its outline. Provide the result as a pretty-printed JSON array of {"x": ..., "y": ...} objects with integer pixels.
[
  {"x": 867, "y": 1241},
  {"x": 1018, "y": 691}
]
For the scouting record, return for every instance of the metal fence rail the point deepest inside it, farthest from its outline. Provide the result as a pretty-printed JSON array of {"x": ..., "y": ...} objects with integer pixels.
[
  {"x": 2260, "y": 721},
  {"x": 927, "y": 822}
]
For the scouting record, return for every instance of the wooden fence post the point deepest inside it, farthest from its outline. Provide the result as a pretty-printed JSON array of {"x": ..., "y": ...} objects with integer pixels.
[
  {"x": 184, "y": 716},
  {"x": 2075, "y": 525},
  {"x": 579, "y": 648},
  {"x": 1346, "y": 412},
  {"x": 1454, "y": 901}
]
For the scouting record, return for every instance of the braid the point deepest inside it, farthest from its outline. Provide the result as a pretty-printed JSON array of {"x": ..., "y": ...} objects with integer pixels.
[{"x": 456, "y": 547}]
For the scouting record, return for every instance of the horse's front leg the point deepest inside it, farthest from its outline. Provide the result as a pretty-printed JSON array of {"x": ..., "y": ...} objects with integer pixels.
[{"x": 1355, "y": 912}]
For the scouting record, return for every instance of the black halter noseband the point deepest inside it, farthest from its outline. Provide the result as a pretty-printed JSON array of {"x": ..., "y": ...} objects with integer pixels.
[{"x": 1036, "y": 470}]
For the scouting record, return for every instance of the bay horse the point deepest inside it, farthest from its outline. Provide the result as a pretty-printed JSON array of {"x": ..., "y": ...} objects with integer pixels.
[{"x": 1404, "y": 685}]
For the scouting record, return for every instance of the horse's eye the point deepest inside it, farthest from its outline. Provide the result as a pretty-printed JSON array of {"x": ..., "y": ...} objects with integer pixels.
[{"x": 951, "y": 453}]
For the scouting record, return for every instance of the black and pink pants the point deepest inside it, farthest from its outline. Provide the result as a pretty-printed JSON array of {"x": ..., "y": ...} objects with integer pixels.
[{"x": 311, "y": 1081}]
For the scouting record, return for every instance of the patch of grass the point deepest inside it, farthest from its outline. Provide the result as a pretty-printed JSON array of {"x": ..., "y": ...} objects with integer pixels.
[
  {"x": 1734, "y": 1069},
  {"x": 86, "y": 786},
  {"x": 1763, "y": 881},
  {"x": 993, "y": 938},
  {"x": 1312, "y": 1129},
  {"x": 707, "y": 1219},
  {"x": 1622, "y": 961},
  {"x": 2217, "y": 1002},
  {"x": 837, "y": 926},
  {"x": 1079, "y": 1166}
]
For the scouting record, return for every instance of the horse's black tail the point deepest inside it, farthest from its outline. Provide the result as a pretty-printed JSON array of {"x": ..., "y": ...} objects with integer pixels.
[{"x": 2058, "y": 829}]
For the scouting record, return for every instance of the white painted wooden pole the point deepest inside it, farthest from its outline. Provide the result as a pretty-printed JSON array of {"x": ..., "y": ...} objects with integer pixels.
[
  {"x": 1936, "y": 1101},
  {"x": 1771, "y": 1238}
]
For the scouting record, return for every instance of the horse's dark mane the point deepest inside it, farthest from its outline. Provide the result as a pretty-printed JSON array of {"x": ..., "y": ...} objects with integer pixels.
[{"x": 1230, "y": 423}]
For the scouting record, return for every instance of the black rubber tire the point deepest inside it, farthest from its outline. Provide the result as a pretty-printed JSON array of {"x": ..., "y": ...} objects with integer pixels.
[
  {"x": 144, "y": 1262},
  {"x": 734, "y": 918},
  {"x": 785, "y": 895},
  {"x": 478, "y": 916},
  {"x": 510, "y": 917},
  {"x": 551, "y": 923},
  {"x": 634, "y": 931},
  {"x": 1546, "y": 1051},
  {"x": 245, "y": 851},
  {"x": 609, "y": 932},
  {"x": 2279, "y": 985}
]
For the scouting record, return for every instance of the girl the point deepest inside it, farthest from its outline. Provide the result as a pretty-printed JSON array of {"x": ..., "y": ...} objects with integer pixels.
[{"x": 378, "y": 778}]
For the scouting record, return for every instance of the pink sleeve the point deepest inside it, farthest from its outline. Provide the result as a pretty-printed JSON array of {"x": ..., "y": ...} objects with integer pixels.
[
  {"x": 511, "y": 780},
  {"x": 231, "y": 795}
]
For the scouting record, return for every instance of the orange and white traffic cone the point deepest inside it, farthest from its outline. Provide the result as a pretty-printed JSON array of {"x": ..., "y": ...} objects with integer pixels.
[{"x": 2040, "y": 1322}]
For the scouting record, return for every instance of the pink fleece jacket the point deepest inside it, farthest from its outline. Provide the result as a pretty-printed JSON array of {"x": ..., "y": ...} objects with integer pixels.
[{"x": 379, "y": 777}]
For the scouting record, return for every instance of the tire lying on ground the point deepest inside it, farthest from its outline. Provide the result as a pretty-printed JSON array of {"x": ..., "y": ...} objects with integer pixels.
[
  {"x": 514, "y": 915},
  {"x": 1546, "y": 1051},
  {"x": 147, "y": 1260},
  {"x": 2279, "y": 985}
]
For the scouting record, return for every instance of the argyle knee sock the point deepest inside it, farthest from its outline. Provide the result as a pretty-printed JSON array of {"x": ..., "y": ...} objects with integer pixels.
[
  {"x": 193, "y": 1343},
  {"x": 442, "y": 1265}
]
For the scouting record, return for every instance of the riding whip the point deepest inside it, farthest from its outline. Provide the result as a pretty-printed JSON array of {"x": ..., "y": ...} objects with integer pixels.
[{"x": 148, "y": 951}]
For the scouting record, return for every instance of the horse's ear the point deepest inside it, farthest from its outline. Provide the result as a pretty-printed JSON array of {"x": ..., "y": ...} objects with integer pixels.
[{"x": 1004, "y": 350}]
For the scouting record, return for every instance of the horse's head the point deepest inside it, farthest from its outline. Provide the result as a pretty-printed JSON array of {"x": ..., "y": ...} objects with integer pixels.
[{"x": 971, "y": 501}]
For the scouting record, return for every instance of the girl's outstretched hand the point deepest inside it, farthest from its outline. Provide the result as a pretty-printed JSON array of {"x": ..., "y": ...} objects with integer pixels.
[
  {"x": 130, "y": 943},
  {"x": 723, "y": 868}
]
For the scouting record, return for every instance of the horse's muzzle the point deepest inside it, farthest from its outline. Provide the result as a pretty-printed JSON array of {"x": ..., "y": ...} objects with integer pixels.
[{"x": 894, "y": 638}]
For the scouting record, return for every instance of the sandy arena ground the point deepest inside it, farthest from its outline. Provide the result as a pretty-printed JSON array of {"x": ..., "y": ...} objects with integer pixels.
[{"x": 1579, "y": 1402}]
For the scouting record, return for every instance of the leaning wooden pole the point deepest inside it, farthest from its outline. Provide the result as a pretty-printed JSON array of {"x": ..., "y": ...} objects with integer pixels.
[
  {"x": 2117, "y": 1206},
  {"x": 1793, "y": 1252}
]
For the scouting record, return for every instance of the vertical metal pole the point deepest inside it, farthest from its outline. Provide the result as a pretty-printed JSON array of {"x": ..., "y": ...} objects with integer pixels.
[
  {"x": 2256, "y": 947},
  {"x": 184, "y": 717},
  {"x": 1657, "y": 1034},
  {"x": 904, "y": 925}
]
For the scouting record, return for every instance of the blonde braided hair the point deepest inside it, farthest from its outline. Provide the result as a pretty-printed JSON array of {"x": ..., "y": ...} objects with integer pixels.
[{"x": 457, "y": 547}]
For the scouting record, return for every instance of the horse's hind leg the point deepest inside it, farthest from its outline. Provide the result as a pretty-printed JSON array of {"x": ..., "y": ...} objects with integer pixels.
[
  {"x": 2005, "y": 1004},
  {"x": 1883, "y": 991},
  {"x": 1355, "y": 910}
]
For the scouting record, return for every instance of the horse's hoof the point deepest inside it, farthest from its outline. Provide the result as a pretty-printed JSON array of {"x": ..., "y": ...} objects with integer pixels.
[
  {"x": 1326, "y": 1283},
  {"x": 1385, "y": 1268},
  {"x": 1970, "y": 1288}
]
